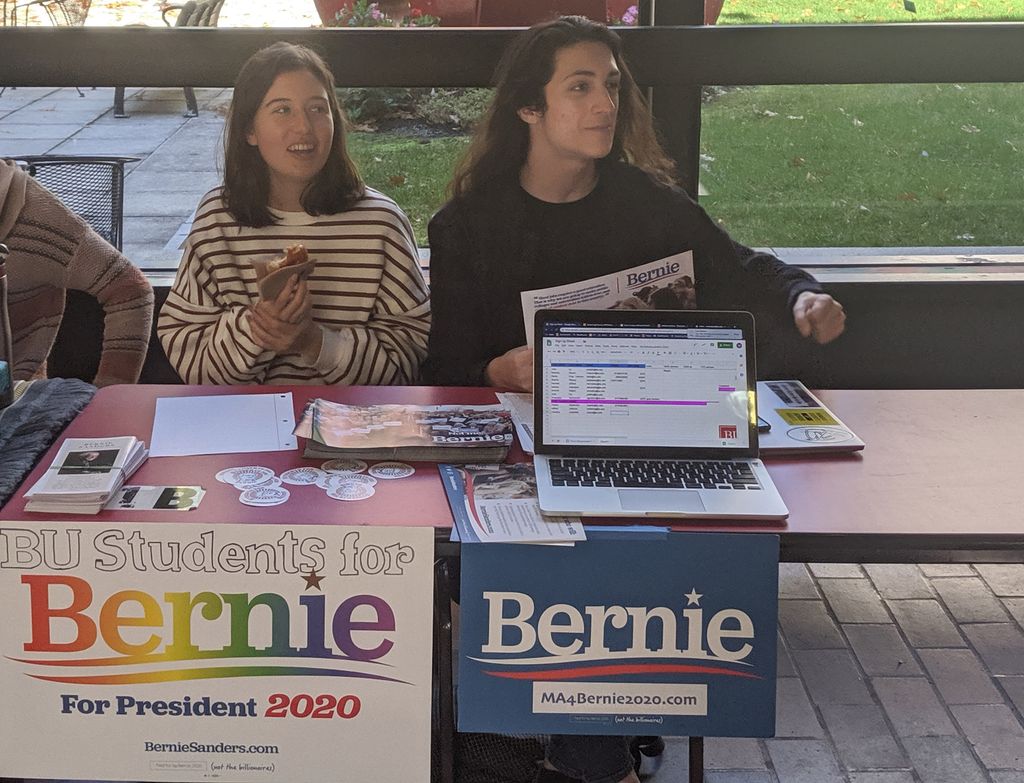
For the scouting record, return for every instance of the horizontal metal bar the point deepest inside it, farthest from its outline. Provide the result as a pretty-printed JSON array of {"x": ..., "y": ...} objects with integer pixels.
[
  {"x": 727, "y": 54},
  {"x": 878, "y": 548}
]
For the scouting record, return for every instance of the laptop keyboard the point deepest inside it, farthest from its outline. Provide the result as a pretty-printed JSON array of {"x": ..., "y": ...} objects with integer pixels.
[{"x": 652, "y": 474}]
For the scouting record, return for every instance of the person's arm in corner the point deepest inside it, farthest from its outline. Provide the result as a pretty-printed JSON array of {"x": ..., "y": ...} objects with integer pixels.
[
  {"x": 205, "y": 340},
  {"x": 126, "y": 297},
  {"x": 389, "y": 348},
  {"x": 98, "y": 269},
  {"x": 456, "y": 354},
  {"x": 771, "y": 289}
]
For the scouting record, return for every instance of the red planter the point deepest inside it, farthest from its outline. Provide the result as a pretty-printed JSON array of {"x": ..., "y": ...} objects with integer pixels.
[
  {"x": 464, "y": 13},
  {"x": 712, "y": 9},
  {"x": 453, "y": 13},
  {"x": 328, "y": 9}
]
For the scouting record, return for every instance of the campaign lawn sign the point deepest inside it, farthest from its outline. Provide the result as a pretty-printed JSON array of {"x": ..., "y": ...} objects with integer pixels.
[
  {"x": 671, "y": 635},
  {"x": 185, "y": 652}
]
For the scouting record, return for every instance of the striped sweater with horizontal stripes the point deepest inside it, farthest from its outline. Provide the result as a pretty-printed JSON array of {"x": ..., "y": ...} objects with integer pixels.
[{"x": 368, "y": 295}]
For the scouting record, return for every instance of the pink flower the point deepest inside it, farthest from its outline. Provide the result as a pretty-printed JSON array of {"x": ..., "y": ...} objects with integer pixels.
[{"x": 629, "y": 17}]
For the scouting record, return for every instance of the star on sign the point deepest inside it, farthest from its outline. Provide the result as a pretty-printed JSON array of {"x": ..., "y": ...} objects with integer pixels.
[
  {"x": 693, "y": 597},
  {"x": 313, "y": 579}
]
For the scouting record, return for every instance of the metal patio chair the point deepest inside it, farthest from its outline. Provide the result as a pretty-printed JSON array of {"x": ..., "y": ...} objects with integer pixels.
[
  {"x": 90, "y": 186},
  {"x": 201, "y": 13},
  {"x": 62, "y": 13}
]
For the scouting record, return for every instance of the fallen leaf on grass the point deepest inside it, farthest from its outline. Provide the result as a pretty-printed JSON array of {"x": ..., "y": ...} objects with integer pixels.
[
  {"x": 857, "y": 123},
  {"x": 766, "y": 113},
  {"x": 397, "y": 179},
  {"x": 797, "y": 162},
  {"x": 907, "y": 196},
  {"x": 970, "y": 129}
]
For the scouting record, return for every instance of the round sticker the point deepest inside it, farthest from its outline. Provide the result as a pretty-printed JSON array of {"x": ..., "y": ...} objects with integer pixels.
[
  {"x": 272, "y": 481},
  {"x": 391, "y": 470},
  {"x": 344, "y": 466},
  {"x": 819, "y": 434},
  {"x": 249, "y": 474},
  {"x": 350, "y": 490},
  {"x": 334, "y": 479},
  {"x": 265, "y": 496},
  {"x": 302, "y": 476}
]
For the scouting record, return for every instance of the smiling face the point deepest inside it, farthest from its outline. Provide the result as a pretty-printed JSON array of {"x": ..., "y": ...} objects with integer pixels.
[
  {"x": 582, "y": 97},
  {"x": 293, "y": 130}
]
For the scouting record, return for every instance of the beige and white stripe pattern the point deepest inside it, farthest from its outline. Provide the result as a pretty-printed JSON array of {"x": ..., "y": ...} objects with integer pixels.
[{"x": 367, "y": 289}]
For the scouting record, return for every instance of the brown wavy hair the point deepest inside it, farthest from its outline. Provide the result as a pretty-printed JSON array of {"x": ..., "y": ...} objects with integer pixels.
[
  {"x": 502, "y": 140},
  {"x": 246, "y": 178}
]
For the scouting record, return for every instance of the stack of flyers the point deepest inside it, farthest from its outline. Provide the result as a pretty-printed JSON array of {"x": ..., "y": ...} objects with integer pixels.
[
  {"x": 85, "y": 474},
  {"x": 498, "y": 503}
]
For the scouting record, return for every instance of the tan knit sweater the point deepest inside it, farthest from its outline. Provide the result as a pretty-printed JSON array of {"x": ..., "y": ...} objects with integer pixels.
[{"x": 53, "y": 250}]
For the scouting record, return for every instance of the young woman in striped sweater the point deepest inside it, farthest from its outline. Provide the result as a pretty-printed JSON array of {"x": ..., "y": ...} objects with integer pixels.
[{"x": 362, "y": 316}]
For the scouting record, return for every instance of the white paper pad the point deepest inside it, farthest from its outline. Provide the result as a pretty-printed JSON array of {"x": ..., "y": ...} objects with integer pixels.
[{"x": 223, "y": 424}]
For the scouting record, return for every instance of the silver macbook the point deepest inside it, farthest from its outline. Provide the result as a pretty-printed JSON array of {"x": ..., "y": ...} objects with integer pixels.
[{"x": 649, "y": 413}]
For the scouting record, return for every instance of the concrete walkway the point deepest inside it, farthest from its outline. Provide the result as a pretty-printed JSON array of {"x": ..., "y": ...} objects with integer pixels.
[
  {"x": 178, "y": 156},
  {"x": 888, "y": 674}
]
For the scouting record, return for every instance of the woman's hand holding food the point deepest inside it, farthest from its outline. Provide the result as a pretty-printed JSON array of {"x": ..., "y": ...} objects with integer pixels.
[{"x": 285, "y": 324}]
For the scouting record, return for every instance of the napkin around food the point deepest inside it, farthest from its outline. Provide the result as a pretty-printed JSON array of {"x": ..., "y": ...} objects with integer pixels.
[{"x": 271, "y": 285}]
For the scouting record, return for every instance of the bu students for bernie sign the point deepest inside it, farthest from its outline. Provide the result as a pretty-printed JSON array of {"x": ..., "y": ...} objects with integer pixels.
[
  {"x": 622, "y": 634},
  {"x": 184, "y": 652}
]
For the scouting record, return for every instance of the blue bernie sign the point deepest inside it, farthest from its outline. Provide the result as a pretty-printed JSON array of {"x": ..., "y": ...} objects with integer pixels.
[{"x": 672, "y": 635}]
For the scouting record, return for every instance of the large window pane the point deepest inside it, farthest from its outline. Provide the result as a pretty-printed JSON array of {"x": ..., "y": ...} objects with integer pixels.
[{"x": 866, "y": 165}]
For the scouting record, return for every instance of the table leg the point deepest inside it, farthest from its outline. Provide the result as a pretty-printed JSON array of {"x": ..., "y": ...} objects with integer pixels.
[
  {"x": 696, "y": 760},
  {"x": 444, "y": 742}
]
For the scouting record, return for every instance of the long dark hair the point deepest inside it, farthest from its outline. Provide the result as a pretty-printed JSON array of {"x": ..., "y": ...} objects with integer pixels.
[
  {"x": 246, "y": 178},
  {"x": 502, "y": 140}
]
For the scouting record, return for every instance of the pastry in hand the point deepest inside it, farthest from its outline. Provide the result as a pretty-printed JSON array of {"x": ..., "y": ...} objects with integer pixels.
[
  {"x": 293, "y": 256},
  {"x": 279, "y": 272}
]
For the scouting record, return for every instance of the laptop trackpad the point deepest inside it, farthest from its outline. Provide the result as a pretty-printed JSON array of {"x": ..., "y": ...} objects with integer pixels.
[{"x": 664, "y": 500}]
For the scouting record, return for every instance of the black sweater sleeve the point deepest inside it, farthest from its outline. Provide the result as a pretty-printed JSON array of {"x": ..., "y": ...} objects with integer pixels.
[
  {"x": 733, "y": 276},
  {"x": 456, "y": 351}
]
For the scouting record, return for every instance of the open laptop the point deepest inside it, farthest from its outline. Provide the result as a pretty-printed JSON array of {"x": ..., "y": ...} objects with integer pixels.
[{"x": 648, "y": 413}]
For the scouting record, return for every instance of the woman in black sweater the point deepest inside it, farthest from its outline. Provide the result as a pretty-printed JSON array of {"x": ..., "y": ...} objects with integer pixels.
[{"x": 565, "y": 180}]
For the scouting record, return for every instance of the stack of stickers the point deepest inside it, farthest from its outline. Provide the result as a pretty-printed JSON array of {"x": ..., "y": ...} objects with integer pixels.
[{"x": 341, "y": 479}]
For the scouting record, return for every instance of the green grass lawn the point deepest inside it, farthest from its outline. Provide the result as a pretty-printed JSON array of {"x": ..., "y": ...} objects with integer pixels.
[
  {"x": 414, "y": 172},
  {"x": 867, "y": 165},
  {"x": 839, "y": 165},
  {"x": 864, "y": 11}
]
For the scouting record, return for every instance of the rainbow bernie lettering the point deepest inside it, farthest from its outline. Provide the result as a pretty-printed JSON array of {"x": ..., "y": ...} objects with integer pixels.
[{"x": 172, "y": 624}]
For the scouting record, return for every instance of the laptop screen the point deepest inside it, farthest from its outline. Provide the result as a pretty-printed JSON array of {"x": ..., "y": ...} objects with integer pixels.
[{"x": 660, "y": 384}]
